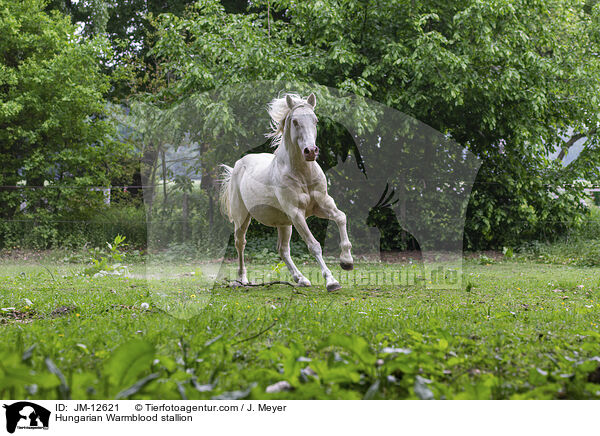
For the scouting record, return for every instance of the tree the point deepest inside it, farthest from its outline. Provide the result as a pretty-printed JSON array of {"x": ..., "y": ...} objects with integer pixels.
[
  {"x": 506, "y": 79},
  {"x": 129, "y": 27},
  {"x": 54, "y": 139}
]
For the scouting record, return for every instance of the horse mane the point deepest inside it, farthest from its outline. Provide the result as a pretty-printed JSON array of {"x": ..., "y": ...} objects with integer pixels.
[{"x": 278, "y": 110}]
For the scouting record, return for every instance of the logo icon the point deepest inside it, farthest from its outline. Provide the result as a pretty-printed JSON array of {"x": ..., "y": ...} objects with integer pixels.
[{"x": 26, "y": 415}]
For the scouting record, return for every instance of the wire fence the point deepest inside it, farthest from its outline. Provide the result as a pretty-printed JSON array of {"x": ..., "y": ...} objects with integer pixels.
[
  {"x": 594, "y": 188},
  {"x": 104, "y": 229}
]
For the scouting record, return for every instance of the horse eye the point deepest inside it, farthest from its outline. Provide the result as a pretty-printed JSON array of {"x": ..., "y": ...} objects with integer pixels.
[{"x": 295, "y": 123}]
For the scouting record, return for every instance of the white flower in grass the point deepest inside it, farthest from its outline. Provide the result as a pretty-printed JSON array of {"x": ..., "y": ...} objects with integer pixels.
[
  {"x": 278, "y": 387},
  {"x": 145, "y": 306}
]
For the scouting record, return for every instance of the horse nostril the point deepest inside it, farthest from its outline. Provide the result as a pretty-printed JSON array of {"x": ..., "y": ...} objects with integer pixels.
[
  {"x": 306, "y": 151},
  {"x": 316, "y": 150}
]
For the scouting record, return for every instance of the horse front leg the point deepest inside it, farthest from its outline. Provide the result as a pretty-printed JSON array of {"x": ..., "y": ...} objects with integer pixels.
[
  {"x": 314, "y": 247},
  {"x": 327, "y": 209},
  {"x": 284, "y": 234}
]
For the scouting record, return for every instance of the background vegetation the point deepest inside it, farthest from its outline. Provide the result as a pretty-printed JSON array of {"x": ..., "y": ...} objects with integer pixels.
[{"x": 515, "y": 82}]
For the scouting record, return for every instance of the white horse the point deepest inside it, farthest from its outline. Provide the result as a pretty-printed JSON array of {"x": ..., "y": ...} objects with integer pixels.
[{"x": 283, "y": 188}]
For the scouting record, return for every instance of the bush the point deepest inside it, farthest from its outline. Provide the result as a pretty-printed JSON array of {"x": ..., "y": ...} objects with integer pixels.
[
  {"x": 580, "y": 247},
  {"x": 43, "y": 230}
]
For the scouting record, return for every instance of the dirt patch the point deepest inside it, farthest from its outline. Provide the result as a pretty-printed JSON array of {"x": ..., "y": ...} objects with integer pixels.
[
  {"x": 495, "y": 255},
  {"x": 400, "y": 256},
  {"x": 407, "y": 257},
  {"x": 28, "y": 255},
  {"x": 62, "y": 311},
  {"x": 122, "y": 306},
  {"x": 416, "y": 256},
  {"x": 17, "y": 316}
]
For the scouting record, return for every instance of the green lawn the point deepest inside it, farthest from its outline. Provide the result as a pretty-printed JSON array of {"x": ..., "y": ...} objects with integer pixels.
[{"x": 515, "y": 329}]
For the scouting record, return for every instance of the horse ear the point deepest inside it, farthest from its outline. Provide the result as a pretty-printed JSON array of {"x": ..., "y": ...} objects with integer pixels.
[
  {"x": 289, "y": 101},
  {"x": 312, "y": 100}
]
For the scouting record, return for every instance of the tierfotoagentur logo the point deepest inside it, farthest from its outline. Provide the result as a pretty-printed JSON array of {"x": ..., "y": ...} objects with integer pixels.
[
  {"x": 395, "y": 179},
  {"x": 26, "y": 416}
]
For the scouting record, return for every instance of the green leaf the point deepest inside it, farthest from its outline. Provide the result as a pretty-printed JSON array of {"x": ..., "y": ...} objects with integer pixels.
[
  {"x": 128, "y": 361},
  {"x": 354, "y": 344},
  {"x": 339, "y": 374},
  {"x": 168, "y": 363},
  {"x": 138, "y": 386}
]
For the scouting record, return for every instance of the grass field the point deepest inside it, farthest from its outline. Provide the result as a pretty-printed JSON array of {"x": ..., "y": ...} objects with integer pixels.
[{"x": 515, "y": 329}]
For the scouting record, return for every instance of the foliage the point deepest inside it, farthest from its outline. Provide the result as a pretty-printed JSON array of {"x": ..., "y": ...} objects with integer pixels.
[
  {"x": 55, "y": 142},
  {"x": 580, "y": 252},
  {"x": 109, "y": 263},
  {"x": 511, "y": 81},
  {"x": 579, "y": 247},
  {"x": 129, "y": 28},
  {"x": 507, "y": 80},
  {"x": 43, "y": 230}
]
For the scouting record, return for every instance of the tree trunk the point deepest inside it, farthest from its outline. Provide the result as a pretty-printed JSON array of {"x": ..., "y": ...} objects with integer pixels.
[
  {"x": 148, "y": 178},
  {"x": 164, "y": 176},
  {"x": 208, "y": 184},
  {"x": 184, "y": 213}
]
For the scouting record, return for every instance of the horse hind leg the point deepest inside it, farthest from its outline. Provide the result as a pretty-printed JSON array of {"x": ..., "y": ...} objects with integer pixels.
[
  {"x": 240, "y": 244},
  {"x": 284, "y": 234}
]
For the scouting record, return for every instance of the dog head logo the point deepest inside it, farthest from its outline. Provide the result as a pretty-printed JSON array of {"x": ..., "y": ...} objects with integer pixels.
[{"x": 26, "y": 415}]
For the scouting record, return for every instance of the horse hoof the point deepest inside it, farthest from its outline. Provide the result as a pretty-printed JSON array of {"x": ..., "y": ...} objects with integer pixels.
[
  {"x": 331, "y": 287},
  {"x": 305, "y": 283},
  {"x": 347, "y": 266}
]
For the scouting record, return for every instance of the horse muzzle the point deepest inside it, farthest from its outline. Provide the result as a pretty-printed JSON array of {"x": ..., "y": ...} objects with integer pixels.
[{"x": 311, "y": 153}]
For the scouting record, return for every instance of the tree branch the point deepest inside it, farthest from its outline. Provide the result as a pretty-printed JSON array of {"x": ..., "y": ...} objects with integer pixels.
[
  {"x": 257, "y": 334},
  {"x": 276, "y": 282},
  {"x": 572, "y": 141}
]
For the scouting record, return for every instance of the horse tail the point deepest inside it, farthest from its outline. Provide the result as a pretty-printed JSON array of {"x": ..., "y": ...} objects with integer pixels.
[{"x": 224, "y": 194}]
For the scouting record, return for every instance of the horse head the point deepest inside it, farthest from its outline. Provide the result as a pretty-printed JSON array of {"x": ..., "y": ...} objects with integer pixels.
[{"x": 301, "y": 126}]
